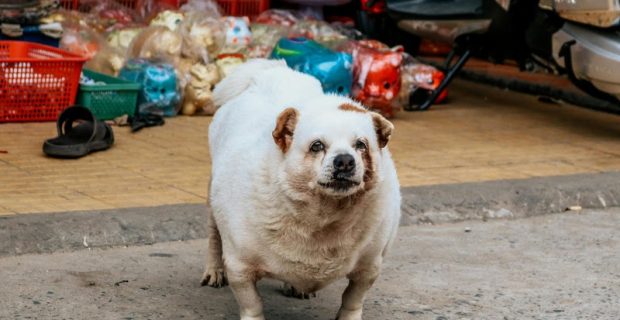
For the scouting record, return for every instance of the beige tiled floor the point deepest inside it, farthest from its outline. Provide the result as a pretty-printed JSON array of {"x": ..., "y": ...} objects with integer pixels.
[{"x": 482, "y": 134}]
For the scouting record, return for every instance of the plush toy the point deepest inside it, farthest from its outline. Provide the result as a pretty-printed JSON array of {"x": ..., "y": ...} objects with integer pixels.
[
  {"x": 159, "y": 84},
  {"x": 108, "y": 60},
  {"x": 183, "y": 68},
  {"x": 237, "y": 31},
  {"x": 198, "y": 98},
  {"x": 376, "y": 73},
  {"x": 203, "y": 37},
  {"x": 121, "y": 38},
  {"x": 228, "y": 62},
  {"x": 333, "y": 69},
  {"x": 170, "y": 19},
  {"x": 157, "y": 42}
]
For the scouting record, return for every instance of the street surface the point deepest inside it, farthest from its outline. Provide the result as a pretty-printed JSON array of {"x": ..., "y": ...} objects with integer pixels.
[{"x": 562, "y": 266}]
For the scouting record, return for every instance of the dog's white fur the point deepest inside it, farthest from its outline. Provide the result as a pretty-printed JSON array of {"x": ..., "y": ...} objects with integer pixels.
[{"x": 274, "y": 213}]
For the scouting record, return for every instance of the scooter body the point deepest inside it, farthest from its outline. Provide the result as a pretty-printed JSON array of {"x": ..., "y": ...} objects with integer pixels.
[
  {"x": 597, "y": 13},
  {"x": 581, "y": 38},
  {"x": 587, "y": 46}
]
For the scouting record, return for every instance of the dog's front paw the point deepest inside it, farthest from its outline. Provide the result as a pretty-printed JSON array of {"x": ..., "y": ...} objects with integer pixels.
[
  {"x": 344, "y": 314},
  {"x": 214, "y": 277},
  {"x": 290, "y": 291}
]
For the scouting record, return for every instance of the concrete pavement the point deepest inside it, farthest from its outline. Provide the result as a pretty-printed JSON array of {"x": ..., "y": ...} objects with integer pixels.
[
  {"x": 66, "y": 231},
  {"x": 560, "y": 266}
]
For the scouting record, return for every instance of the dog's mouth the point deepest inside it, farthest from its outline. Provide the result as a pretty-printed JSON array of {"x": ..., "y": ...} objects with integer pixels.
[{"x": 341, "y": 184}]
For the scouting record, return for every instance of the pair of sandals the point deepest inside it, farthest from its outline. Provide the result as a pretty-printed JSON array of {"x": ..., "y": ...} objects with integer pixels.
[{"x": 79, "y": 133}]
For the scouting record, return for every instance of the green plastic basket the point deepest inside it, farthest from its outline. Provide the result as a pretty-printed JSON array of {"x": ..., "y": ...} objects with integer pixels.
[{"x": 114, "y": 99}]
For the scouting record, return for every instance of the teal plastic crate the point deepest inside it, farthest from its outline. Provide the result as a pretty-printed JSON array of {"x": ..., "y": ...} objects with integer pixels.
[{"x": 114, "y": 99}]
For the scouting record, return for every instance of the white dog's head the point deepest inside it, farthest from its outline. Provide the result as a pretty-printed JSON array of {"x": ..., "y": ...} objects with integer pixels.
[{"x": 331, "y": 148}]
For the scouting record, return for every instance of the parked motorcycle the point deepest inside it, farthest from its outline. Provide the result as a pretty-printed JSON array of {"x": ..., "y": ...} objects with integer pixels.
[
  {"x": 587, "y": 46},
  {"x": 579, "y": 38}
]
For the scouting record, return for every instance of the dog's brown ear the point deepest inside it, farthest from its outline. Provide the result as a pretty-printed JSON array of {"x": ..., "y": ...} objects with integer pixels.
[
  {"x": 285, "y": 126},
  {"x": 383, "y": 128}
]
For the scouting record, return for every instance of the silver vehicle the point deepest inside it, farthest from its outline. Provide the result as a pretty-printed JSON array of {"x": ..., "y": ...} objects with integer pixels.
[
  {"x": 587, "y": 46},
  {"x": 578, "y": 37}
]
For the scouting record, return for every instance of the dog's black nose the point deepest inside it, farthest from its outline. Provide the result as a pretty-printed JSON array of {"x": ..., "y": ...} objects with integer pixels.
[{"x": 344, "y": 163}]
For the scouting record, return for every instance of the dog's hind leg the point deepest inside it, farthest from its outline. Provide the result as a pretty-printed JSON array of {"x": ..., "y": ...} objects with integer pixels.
[{"x": 214, "y": 275}]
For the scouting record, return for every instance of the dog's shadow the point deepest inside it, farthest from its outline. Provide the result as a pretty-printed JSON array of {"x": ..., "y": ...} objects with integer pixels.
[
  {"x": 221, "y": 303},
  {"x": 169, "y": 288}
]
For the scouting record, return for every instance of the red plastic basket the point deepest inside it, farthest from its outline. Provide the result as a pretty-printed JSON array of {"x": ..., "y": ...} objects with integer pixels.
[
  {"x": 37, "y": 82},
  {"x": 69, "y": 4},
  {"x": 133, "y": 4},
  {"x": 75, "y": 4},
  {"x": 249, "y": 8},
  {"x": 128, "y": 3}
]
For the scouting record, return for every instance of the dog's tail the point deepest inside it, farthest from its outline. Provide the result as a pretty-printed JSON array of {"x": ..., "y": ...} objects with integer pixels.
[{"x": 241, "y": 78}]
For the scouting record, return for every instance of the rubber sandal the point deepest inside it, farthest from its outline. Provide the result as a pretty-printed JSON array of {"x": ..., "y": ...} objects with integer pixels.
[
  {"x": 140, "y": 121},
  {"x": 79, "y": 133}
]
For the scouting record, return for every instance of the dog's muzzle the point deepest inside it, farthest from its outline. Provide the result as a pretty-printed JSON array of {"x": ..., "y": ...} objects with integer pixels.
[
  {"x": 344, "y": 169},
  {"x": 344, "y": 166}
]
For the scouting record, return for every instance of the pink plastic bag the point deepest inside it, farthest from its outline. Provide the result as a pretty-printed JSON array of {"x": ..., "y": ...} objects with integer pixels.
[{"x": 286, "y": 18}]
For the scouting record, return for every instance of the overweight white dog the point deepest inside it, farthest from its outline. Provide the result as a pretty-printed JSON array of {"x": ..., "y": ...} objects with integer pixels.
[{"x": 303, "y": 188}]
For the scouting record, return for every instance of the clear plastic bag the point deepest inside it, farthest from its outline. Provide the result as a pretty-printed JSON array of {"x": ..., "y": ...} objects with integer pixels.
[
  {"x": 238, "y": 34},
  {"x": 376, "y": 74},
  {"x": 159, "y": 84},
  {"x": 264, "y": 39},
  {"x": 81, "y": 40},
  {"x": 320, "y": 31},
  {"x": 203, "y": 37},
  {"x": 122, "y": 38},
  {"x": 285, "y": 18},
  {"x": 205, "y": 8},
  {"x": 86, "y": 42},
  {"x": 418, "y": 81},
  {"x": 108, "y": 60},
  {"x": 168, "y": 18},
  {"x": 228, "y": 62},
  {"x": 149, "y": 9},
  {"x": 109, "y": 15},
  {"x": 157, "y": 42}
]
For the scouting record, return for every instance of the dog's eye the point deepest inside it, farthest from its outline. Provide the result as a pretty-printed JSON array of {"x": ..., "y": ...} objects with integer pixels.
[
  {"x": 360, "y": 145},
  {"x": 317, "y": 146}
]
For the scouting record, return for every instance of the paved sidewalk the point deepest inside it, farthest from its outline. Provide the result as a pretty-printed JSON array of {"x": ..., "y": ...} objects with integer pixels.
[
  {"x": 482, "y": 134},
  {"x": 563, "y": 266}
]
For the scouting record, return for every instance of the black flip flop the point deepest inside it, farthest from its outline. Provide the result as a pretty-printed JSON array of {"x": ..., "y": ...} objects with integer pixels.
[{"x": 86, "y": 136}]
